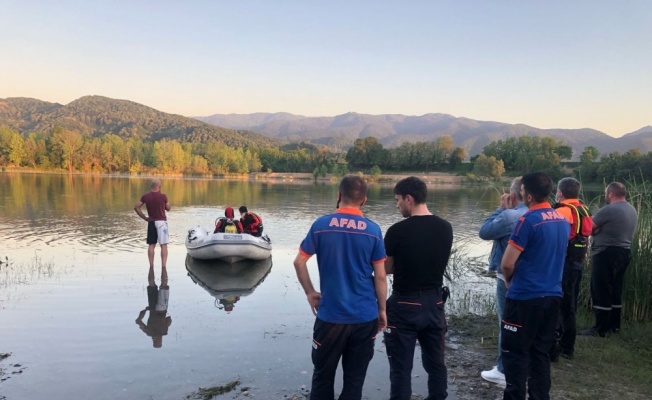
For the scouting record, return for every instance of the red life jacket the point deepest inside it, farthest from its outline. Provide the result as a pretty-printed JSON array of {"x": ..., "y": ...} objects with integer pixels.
[{"x": 256, "y": 226}]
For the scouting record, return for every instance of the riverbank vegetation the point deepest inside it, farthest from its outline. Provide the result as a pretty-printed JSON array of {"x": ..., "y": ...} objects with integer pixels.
[{"x": 67, "y": 150}]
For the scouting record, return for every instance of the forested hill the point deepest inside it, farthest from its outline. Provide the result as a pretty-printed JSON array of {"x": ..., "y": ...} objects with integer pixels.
[
  {"x": 97, "y": 116},
  {"x": 394, "y": 129}
]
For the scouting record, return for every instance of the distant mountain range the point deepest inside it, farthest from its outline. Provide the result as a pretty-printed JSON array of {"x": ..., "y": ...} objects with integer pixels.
[
  {"x": 394, "y": 129},
  {"x": 97, "y": 116}
]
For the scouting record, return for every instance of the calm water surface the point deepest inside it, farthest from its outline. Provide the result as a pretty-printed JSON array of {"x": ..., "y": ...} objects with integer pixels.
[{"x": 77, "y": 281}]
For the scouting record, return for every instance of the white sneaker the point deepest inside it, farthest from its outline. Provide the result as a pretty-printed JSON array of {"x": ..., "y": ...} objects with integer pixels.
[{"x": 494, "y": 376}]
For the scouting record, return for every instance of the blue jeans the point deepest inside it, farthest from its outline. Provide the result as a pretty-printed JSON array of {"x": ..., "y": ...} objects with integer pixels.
[{"x": 501, "y": 292}]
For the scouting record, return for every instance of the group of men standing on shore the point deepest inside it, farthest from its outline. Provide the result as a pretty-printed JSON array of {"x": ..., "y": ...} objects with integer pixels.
[{"x": 537, "y": 254}]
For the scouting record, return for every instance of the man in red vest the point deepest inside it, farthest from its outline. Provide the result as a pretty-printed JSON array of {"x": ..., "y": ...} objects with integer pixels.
[{"x": 251, "y": 222}]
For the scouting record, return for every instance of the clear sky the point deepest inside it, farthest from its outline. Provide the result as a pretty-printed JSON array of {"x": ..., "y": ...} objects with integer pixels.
[{"x": 549, "y": 64}]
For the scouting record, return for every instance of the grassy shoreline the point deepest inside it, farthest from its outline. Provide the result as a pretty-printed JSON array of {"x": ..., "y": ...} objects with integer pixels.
[{"x": 617, "y": 367}]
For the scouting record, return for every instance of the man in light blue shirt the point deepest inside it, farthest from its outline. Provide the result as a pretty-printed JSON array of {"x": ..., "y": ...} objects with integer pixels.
[{"x": 498, "y": 227}]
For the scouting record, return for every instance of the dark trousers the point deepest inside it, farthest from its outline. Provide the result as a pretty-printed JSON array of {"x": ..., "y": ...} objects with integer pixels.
[
  {"x": 354, "y": 344},
  {"x": 566, "y": 328},
  {"x": 528, "y": 332},
  {"x": 607, "y": 278},
  {"x": 411, "y": 317}
]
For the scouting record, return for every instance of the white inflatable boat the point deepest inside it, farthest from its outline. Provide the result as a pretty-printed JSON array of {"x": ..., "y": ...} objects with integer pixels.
[{"x": 230, "y": 247}]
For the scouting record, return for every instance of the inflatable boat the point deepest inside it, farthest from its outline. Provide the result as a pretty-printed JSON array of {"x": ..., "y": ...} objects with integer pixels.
[
  {"x": 228, "y": 282},
  {"x": 230, "y": 247}
]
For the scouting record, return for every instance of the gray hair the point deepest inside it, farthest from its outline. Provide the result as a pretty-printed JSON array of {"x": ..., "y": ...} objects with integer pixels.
[{"x": 516, "y": 188}]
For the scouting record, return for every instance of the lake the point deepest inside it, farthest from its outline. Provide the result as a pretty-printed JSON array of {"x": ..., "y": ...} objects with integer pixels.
[{"x": 77, "y": 281}]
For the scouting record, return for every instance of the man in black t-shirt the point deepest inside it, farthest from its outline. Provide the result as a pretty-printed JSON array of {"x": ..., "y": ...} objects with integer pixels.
[{"x": 418, "y": 249}]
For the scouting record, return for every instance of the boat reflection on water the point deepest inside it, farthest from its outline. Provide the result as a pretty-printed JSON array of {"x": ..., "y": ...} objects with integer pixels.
[
  {"x": 228, "y": 282},
  {"x": 158, "y": 321}
]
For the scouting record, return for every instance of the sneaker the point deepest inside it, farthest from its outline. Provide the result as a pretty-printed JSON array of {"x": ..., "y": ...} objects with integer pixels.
[
  {"x": 494, "y": 376},
  {"x": 591, "y": 332},
  {"x": 567, "y": 354}
]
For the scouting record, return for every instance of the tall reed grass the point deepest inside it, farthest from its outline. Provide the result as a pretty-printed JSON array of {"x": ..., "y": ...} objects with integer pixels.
[
  {"x": 470, "y": 291},
  {"x": 637, "y": 287},
  {"x": 24, "y": 274}
]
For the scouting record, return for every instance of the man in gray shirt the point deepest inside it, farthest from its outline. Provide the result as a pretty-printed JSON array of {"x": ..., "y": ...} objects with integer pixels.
[{"x": 613, "y": 228}]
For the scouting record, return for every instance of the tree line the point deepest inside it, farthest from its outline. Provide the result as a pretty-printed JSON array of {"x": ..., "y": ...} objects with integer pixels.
[
  {"x": 74, "y": 152},
  {"x": 439, "y": 155},
  {"x": 523, "y": 154},
  {"x": 66, "y": 149}
]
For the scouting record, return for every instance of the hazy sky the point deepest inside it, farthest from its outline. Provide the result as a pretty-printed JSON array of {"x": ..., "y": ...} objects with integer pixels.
[{"x": 549, "y": 64}]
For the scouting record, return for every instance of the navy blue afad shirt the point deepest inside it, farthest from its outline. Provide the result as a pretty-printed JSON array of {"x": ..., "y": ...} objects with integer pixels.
[
  {"x": 542, "y": 236},
  {"x": 347, "y": 245}
]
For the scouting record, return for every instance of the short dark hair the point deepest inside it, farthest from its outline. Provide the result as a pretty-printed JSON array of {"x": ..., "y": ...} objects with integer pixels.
[
  {"x": 538, "y": 185},
  {"x": 242, "y": 209},
  {"x": 617, "y": 188},
  {"x": 414, "y": 187},
  {"x": 569, "y": 188},
  {"x": 353, "y": 189}
]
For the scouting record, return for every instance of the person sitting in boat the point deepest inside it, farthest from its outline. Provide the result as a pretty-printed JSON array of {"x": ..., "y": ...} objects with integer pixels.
[
  {"x": 228, "y": 223},
  {"x": 251, "y": 222}
]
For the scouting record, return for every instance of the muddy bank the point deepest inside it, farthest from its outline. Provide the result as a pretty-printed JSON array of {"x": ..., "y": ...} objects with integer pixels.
[
  {"x": 439, "y": 178},
  {"x": 471, "y": 349}
]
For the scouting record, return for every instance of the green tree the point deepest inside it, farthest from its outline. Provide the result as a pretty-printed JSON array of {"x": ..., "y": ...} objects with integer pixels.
[
  {"x": 588, "y": 168},
  {"x": 589, "y": 155},
  {"x": 457, "y": 156},
  {"x": 528, "y": 153},
  {"x": 444, "y": 146},
  {"x": 199, "y": 165},
  {"x": 114, "y": 153},
  {"x": 17, "y": 149},
  {"x": 169, "y": 156},
  {"x": 91, "y": 155},
  {"x": 31, "y": 149},
  {"x": 6, "y": 135},
  {"x": 339, "y": 170},
  {"x": 253, "y": 161},
  {"x": 66, "y": 143},
  {"x": 365, "y": 153},
  {"x": 489, "y": 167}
]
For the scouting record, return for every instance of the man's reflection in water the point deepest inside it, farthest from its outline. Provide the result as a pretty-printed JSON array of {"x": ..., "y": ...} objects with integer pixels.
[
  {"x": 227, "y": 303},
  {"x": 158, "y": 321}
]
